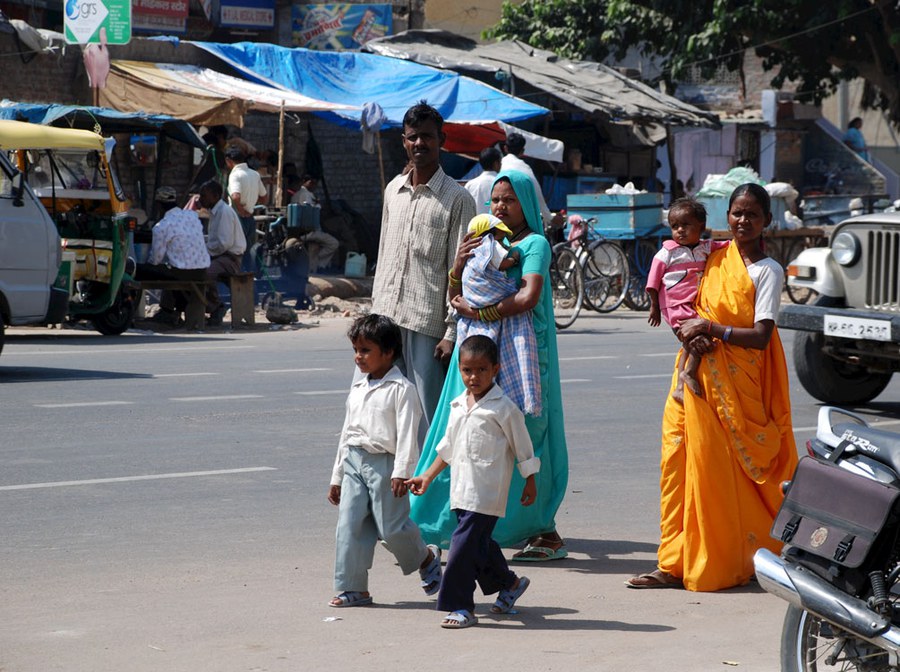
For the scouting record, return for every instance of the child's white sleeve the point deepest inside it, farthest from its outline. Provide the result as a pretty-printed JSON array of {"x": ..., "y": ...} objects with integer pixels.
[
  {"x": 520, "y": 441},
  {"x": 408, "y": 416},
  {"x": 337, "y": 472}
]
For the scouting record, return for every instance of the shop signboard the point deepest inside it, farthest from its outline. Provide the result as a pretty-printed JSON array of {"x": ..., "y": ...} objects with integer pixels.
[
  {"x": 339, "y": 25},
  {"x": 253, "y": 14},
  {"x": 84, "y": 20},
  {"x": 160, "y": 16}
]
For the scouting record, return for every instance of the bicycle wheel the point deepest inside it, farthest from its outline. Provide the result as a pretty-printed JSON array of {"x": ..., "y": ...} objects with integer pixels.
[
  {"x": 639, "y": 259},
  {"x": 605, "y": 276},
  {"x": 567, "y": 285}
]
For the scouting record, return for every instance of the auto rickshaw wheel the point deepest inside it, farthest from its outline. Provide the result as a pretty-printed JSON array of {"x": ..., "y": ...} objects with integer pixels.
[{"x": 117, "y": 318}]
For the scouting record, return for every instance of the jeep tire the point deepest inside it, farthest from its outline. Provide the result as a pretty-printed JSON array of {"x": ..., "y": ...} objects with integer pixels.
[{"x": 831, "y": 380}]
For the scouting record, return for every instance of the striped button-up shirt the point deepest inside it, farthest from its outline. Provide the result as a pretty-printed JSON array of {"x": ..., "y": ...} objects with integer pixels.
[{"x": 420, "y": 230}]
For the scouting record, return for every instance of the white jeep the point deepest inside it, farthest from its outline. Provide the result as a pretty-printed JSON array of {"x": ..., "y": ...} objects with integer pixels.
[{"x": 847, "y": 346}]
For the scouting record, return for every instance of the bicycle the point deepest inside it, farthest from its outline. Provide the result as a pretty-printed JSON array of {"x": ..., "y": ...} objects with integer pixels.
[
  {"x": 640, "y": 254},
  {"x": 566, "y": 285},
  {"x": 604, "y": 264}
]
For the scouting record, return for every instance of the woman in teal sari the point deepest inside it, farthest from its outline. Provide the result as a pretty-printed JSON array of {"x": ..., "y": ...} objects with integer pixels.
[{"x": 514, "y": 201}]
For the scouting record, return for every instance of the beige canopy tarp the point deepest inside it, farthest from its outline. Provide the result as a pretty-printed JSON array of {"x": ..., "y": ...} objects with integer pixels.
[{"x": 198, "y": 95}]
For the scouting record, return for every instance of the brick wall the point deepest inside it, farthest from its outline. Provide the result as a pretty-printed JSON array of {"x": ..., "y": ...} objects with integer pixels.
[{"x": 350, "y": 174}]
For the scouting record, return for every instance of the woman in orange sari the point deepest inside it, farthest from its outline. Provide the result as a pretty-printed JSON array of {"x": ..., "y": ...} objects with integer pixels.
[{"x": 725, "y": 453}]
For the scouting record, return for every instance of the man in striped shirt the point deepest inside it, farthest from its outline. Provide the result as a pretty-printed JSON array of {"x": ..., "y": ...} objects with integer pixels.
[{"x": 423, "y": 220}]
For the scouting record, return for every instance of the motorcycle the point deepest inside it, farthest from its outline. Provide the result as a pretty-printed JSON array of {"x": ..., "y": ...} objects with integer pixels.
[{"x": 839, "y": 570}]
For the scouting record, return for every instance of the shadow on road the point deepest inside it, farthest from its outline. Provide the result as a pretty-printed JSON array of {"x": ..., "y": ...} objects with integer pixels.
[
  {"x": 536, "y": 618},
  {"x": 31, "y": 374}
]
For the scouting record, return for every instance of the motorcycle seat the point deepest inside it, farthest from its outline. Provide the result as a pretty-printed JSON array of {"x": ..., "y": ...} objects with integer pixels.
[{"x": 877, "y": 444}]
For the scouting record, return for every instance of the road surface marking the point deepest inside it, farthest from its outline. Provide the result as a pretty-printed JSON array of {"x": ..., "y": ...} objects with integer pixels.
[
  {"x": 314, "y": 392},
  {"x": 288, "y": 370},
  {"x": 223, "y": 397},
  {"x": 646, "y": 375},
  {"x": 177, "y": 375},
  {"x": 658, "y": 354},
  {"x": 125, "y": 479},
  {"x": 136, "y": 350},
  {"x": 85, "y": 403},
  {"x": 575, "y": 380},
  {"x": 576, "y": 359}
]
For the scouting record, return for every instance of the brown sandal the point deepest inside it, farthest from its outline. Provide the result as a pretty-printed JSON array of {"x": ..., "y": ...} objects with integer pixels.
[{"x": 655, "y": 579}]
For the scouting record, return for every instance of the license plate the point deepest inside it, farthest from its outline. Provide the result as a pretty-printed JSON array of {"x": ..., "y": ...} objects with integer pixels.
[{"x": 857, "y": 327}]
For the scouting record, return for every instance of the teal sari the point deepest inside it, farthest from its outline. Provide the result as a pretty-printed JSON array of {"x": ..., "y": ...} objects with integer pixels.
[{"x": 431, "y": 511}]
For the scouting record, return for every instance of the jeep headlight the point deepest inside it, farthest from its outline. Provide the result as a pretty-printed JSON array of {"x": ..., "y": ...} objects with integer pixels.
[{"x": 845, "y": 248}]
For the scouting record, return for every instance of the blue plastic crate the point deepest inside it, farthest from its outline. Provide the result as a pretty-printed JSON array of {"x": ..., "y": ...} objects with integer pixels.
[
  {"x": 619, "y": 215},
  {"x": 717, "y": 212}
]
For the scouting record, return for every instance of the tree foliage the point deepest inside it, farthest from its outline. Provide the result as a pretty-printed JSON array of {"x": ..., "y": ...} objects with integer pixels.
[{"x": 815, "y": 43}]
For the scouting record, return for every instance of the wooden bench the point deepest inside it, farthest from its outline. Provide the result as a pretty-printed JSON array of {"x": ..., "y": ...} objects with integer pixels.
[
  {"x": 195, "y": 312},
  {"x": 241, "y": 286},
  {"x": 243, "y": 311}
]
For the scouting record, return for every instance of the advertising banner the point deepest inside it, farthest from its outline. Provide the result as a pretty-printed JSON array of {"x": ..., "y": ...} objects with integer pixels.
[
  {"x": 339, "y": 25},
  {"x": 258, "y": 14},
  {"x": 159, "y": 16},
  {"x": 85, "y": 20}
]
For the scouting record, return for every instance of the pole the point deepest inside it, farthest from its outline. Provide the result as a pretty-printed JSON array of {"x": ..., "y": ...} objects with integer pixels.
[
  {"x": 280, "y": 157},
  {"x": 380, "y": 160}
]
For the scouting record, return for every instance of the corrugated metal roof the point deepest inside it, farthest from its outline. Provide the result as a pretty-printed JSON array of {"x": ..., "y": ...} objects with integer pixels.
[{"x": 592, "y": 88}]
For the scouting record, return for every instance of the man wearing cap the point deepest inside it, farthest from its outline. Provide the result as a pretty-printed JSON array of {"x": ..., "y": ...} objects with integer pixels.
[
  {"x": 246, "y": 190},
  {"x": 178, "y": 246}
]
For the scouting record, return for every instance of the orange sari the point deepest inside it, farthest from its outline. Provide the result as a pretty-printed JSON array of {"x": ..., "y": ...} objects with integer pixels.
[{"x": 724, "y": 455}]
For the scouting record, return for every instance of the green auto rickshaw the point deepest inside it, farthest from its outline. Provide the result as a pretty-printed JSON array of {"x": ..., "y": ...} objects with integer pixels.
[{"x": 69, "y": 171}]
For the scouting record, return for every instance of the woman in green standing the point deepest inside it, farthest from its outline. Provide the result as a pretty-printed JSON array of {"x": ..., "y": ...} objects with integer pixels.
[{"x": 514, "y": 201}]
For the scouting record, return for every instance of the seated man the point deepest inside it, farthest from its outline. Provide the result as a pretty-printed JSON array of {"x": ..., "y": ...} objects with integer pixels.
[
  {"x": 226, "y": 244},
  {"x": 320, "y": 246},
  {"x": 178, "y": 248}
]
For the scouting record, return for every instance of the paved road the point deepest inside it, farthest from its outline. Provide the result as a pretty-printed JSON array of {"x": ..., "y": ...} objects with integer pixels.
[{"x": 164, "y": 508}]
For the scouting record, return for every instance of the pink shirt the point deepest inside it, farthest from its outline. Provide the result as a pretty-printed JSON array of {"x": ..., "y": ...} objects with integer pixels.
[{"x": 675, "y": 273}]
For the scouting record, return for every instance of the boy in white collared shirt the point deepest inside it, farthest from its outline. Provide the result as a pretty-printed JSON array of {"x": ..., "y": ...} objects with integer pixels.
[
  {"x": 377, "y": 453},
  {"x": 485, "y": 436}
]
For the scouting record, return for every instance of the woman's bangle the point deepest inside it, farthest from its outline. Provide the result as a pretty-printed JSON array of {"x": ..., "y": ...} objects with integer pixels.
[
  {"x": 454, "y": 281},
  {"x": 709, "y": 327},
  {"x": 727, "y": 334},
  {"x": 489, "y": 314}
]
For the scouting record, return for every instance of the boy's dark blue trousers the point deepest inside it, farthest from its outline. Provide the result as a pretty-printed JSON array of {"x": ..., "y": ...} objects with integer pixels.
[{"x": 474, "y": 557}]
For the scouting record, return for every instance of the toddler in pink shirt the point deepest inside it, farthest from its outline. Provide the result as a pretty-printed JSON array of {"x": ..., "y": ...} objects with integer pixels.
[{"x": 675, "y": 278}]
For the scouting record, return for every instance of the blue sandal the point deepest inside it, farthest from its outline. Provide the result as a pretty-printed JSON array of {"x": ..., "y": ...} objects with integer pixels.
[
  {"x": 431, "y": 575},
  {"x": 506, "y": 600},
  {"x": 351, "y": 598}
]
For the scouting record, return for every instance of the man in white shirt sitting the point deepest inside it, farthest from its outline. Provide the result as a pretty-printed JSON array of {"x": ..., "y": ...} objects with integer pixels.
[
  {"x": 480, "y": 186},
  {"x": 225, "y": 243},
  {"x": 320, "y": 246}
]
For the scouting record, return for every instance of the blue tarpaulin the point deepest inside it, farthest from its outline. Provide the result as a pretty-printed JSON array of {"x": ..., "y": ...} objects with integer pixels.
[
  {"x": 357, "y": 78},
  {"x": 109, "y": 121}
]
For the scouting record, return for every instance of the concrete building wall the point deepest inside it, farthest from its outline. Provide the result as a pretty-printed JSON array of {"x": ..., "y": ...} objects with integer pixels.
[{"x": 464, "y": 17}]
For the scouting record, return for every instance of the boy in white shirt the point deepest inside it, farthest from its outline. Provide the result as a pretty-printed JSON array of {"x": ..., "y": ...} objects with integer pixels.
[
  {"x": 377, "y": 453},
  {"x": 485, "y": 436}
]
